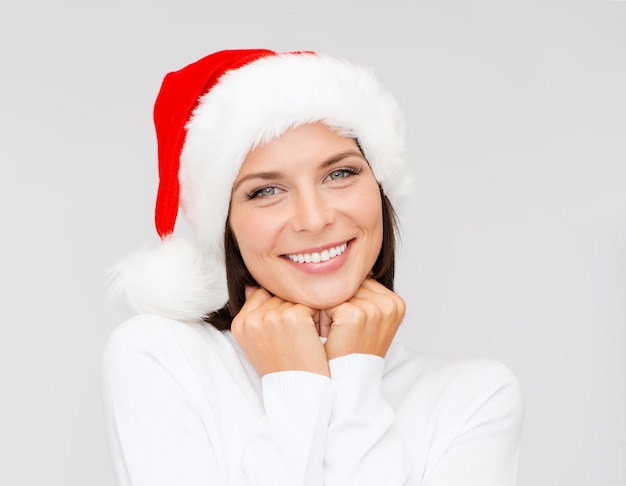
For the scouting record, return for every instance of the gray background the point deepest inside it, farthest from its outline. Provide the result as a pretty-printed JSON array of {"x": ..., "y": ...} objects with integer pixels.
[{"x": 514, "y": 241}]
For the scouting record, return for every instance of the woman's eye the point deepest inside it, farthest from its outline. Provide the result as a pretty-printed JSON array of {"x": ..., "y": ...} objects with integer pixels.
[
  {"x": 342, "y": 173},
  {"x": 337, "y": 174},
  {"x": 264, "y": 192}
]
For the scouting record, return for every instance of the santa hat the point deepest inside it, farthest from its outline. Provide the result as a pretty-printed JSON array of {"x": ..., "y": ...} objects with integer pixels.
[{"x": 208, "y": 116}]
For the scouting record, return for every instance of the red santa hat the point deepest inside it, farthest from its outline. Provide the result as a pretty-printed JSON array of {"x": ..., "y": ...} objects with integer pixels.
[{"x": 208, "y": 116}]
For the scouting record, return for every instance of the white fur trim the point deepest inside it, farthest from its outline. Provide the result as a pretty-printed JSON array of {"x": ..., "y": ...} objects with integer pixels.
[{"x": 172, "y": 279}]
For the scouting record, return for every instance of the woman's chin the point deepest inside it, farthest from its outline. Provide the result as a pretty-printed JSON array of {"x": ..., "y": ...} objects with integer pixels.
[{"x": 321, "y": 300}]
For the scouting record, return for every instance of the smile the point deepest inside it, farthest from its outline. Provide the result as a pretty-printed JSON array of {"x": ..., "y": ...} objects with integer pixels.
[{"x": 317, "y": 257}]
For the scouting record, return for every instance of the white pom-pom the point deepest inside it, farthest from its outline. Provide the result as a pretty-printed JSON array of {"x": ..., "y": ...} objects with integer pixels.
[{"x": 172, "y": 280}]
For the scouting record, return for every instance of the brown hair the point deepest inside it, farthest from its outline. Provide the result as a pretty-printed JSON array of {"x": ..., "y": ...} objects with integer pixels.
[{"x": 238, "y": 276}]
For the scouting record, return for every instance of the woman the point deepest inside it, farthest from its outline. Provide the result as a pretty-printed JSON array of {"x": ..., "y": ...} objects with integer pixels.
[{"x": 263, "y": 350}]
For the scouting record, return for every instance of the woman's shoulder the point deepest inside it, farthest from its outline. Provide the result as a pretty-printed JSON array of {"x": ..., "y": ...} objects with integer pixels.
[
  {"x": 148, "y": 336},
  {"x": 458, "y": 409},
  {"x": 149, "y": 330},
  {"x": 441, "y": 365},
  {"x": 454, "y": 380}
]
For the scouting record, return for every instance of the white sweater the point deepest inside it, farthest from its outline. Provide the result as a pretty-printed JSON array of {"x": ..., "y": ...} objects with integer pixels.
[{"x": 185, "y": 407}]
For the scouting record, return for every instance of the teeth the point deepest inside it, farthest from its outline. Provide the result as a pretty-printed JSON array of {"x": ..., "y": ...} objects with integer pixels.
[{"x": 323, "y": 256}]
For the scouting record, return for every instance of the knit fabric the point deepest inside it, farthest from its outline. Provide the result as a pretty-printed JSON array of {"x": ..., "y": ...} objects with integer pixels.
[{"x": 184, "y": 406}]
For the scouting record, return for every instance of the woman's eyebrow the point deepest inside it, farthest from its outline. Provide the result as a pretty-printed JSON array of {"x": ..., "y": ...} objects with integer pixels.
[
  {"x": 340, "y": 156},
  {"x": 257, "y": 175},
  {"x": 277, "y": 175}
]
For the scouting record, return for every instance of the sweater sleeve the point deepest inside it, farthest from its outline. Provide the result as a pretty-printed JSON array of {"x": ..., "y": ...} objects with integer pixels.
[
  {"x": 362, "y": 447},
  {"x": 287, "y": 448},
  {"x": 483, "y": 449},
  {"x": 160, "y": 435}
]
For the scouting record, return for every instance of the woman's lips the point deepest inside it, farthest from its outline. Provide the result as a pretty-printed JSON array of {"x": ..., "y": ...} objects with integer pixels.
[
  {"x": 317, "y": 257},
  {"x": 322, "y": 261}
]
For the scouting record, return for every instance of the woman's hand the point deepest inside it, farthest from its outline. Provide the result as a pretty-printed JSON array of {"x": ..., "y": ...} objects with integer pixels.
[
  {"x": 277, "y": 335},
  {"x": 367, "y": 323}
]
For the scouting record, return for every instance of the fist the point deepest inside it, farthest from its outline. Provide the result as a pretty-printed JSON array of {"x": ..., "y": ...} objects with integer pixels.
[
  {"x": 367, "y": 323},
  {"x": 277, "y": 335}
]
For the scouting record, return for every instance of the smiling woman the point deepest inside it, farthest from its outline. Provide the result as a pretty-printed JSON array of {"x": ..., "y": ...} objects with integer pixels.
[
  {"x": 322, "y": 198},
  {"x": 263, "y": 351}
]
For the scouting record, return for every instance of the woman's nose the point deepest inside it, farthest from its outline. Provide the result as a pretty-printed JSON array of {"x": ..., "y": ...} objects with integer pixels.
[{"x": 312, "y": 212}]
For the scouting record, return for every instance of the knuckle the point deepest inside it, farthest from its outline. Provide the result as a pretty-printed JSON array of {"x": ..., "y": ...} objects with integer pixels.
[
  {"x": 372, "y": 309},
  {"x": 295, "y": 313},
  {"x": 387, "y": 304},
  {"x": 400, "y": 306},
  {"x": 235, "y": 327},
  {"x": 272, "y": 317},
  {"x": 357, "y": 312},
  {"x": 291, "y": 310},
  {"x": 255, "y": 318}
]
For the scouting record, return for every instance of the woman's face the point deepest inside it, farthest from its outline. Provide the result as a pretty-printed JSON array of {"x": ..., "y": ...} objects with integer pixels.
[{"x": 307, "y": 216}]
